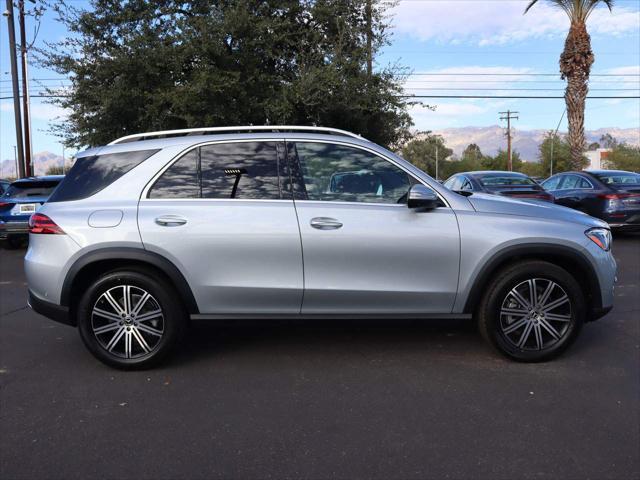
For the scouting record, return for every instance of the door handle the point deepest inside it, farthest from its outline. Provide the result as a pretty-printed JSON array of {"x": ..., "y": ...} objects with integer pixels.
[
  {"x": 325, "y": 223},
  {"x": 170, "y": 221}
]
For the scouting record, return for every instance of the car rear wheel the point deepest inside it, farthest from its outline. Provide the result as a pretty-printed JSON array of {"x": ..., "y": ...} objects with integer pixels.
[
  {"x": 129, "y": 319},
  {"x": 532, "y": 311}
]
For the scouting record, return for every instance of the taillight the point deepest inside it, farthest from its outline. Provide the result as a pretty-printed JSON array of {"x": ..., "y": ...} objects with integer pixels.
[
  {"x": 5, "y": 204},
  {"x": 617, "y": 196},
  {"x": 39, "y": 223}
]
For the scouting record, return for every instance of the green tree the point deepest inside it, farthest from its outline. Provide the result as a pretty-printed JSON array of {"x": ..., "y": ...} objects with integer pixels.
[
  {"x": 472, "y": 152},
  {"x": 624, "y": 157},
  {"x": 55, "y": 170},
  {"x": 501, "y": 161},
  {"x": 422, "y": 153},
  {"x": 593, "y": 146},
  {"x": 140, "y": 66},
  {"x": 575, "y": 66},
  {"x": 533, "y": 169},
  {"x": 557, "y": 148},
  {"x": 608, "y": 141}
]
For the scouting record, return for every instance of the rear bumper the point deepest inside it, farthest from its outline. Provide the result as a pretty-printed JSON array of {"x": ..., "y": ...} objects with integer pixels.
[
  {"x": 50, "y": 310},
  {"x": 13, "y": 228}
]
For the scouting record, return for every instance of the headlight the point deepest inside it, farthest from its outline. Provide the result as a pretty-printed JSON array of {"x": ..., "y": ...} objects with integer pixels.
[{"x": 601, "y": 237}]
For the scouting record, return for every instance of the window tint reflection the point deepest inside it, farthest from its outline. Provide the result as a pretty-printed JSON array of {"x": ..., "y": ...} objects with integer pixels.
[
  {"x": 240, "y": 170},
  {"x": 180, "y": 180},
  {"x": 342, "y": 173},
  {"x": 246, "y": 170}
]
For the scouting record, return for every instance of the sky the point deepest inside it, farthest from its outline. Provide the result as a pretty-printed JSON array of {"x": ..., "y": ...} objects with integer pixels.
[{"x": 456, "y": 48}]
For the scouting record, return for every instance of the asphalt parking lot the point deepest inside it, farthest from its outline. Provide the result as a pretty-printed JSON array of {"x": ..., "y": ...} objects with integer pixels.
[{"x": 322, "y": 400}]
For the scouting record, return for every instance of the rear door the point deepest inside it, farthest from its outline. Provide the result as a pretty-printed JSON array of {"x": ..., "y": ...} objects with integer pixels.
[
  {"x": 365, "y": 252},
  {"x": 220, "y": 213}
]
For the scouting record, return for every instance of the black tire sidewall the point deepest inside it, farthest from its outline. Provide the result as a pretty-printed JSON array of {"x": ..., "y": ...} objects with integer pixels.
[
  {"x": 512, "y": 277},
  {"x": 163, "y": 294}
]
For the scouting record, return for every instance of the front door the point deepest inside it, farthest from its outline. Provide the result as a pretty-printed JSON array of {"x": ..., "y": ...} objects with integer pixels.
[
  {"x": 220, "y": 215},
  {"x": 365, "y": 252}
]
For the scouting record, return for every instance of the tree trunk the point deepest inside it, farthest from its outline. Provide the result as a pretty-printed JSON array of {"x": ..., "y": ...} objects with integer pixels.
[{"x": 575, "y": 66}]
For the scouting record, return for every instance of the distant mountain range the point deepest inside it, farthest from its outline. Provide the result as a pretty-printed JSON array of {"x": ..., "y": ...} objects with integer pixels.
[
  {"x": 42, "y": 161},
  {"x": 489, "y": 139},
  {"x": 526, "y": 142}
]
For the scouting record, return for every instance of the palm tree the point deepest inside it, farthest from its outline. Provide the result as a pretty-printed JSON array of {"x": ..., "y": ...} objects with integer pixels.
[{"x": 575, "y": 66}]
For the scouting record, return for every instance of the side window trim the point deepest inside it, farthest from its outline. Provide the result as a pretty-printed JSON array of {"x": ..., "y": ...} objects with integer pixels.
[{"x": 144, "y": 196}]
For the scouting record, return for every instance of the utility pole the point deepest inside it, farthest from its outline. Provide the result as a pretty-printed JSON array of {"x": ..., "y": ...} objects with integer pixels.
[
  {"x": 28, "y": 151},
  {"x": 16, "y": 91},
  {"x": 369, "y": 15},
  {"x": 436, "y": 162},
  {"x": 508, "y": 116},
  {"x": 553, "y": 142}
]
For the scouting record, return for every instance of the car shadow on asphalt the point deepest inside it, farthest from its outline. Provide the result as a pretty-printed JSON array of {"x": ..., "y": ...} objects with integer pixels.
[{"x": 205, "y": 339}]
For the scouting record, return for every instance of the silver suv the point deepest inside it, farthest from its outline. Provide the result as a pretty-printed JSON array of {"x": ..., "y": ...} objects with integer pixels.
[{"x": 156, "y": 229}]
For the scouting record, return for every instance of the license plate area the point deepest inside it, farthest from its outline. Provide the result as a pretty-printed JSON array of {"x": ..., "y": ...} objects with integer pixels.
[{"x": 26, "y": 208}]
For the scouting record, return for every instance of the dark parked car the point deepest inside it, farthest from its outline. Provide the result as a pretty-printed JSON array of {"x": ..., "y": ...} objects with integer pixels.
[
  {"x": 611, "y": 195},
  {"x": 4, "y": 184},
  {"x": 510, "y": 184},
  {"x": 21, "y": 199}
]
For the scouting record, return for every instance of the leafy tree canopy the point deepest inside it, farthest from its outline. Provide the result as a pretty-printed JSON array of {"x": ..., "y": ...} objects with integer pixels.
[
  {"x": 140, "y": 66},
  {"x": 624, "y": 157},
  {"x": 422, "y": 153},
  {"x": 557, "y": 148}
]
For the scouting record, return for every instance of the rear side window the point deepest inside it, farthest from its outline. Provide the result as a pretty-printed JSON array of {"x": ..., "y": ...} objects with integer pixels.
[
  {"x": 247, "y": 170},
  {"x": 30, "y": 189},
  {"x": 180, "y": 180},
  {"x": 242, "y": 170},
  {"x": 551, "y": 184},
  {"x": 89, "y": 175}
]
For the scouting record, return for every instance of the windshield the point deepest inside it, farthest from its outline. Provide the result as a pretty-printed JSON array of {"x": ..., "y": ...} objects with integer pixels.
[
  {"x": 621, "y": 179},
  {"x": 30, "y": 189},
  {"x": 505, "y": 180}
]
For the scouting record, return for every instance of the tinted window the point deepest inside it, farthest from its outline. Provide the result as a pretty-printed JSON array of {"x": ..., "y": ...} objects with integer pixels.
[
  {"x": 621, "y": 179},
  {"x": 247, "y": 170},
  {"x": 30, "y": 189},
  {"x": 180, "y": 180},
  {"x": 572, "y": 182},
  {"x": 466, "y": 185},
  {"x": 89, "y": 175},
  {"x": 341, "y": 173},
  {"x": 454, "y": 183},
  {"x": 505, "y": 180},
  {"x": 552, "y": 183}
]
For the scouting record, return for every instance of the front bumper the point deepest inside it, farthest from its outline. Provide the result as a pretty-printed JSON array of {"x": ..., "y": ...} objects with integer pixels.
[{"x": 50, "y": 310}]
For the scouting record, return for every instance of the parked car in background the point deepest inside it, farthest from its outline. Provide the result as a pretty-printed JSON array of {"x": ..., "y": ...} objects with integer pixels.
[
  {"x": 611, "y": 195},
  {"x": 510, "y": 184},
  {"x": 21, "y": 199},
  {"x": 4, "y": 184},
  {"x": 154, "y": 229}
]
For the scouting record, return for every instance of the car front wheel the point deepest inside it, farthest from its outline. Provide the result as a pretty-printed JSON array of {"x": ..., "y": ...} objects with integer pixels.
[
  {"x": 129, "y": 319},
  {"x": 532, "y": 311}
]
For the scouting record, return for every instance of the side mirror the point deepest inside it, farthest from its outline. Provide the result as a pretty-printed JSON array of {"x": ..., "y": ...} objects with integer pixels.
[{"x": 422, "y": 197}]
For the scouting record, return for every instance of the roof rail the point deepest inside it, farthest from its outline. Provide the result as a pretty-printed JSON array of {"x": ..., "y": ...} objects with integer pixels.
[{"x": 212, "y": 130}]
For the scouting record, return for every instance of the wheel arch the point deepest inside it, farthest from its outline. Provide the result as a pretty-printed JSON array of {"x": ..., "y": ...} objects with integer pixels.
[
  {"x": 96, "y": 262},
  {"x": 575, "y": 262}
]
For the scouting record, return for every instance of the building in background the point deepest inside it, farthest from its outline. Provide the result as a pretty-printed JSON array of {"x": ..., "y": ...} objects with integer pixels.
[{"x": 597, "y": 158}]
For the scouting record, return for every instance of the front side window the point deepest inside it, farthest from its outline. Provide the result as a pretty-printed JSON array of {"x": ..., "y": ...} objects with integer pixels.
[
  {"x": 243, "y": 170},
  {"x": 346, "y": 174},
  {"x": 453, "y": 183},
  {"x": 573, "y": 182}
]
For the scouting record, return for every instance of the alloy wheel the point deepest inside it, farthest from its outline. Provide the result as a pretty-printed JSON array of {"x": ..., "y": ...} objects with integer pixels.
[
  {"x": 535, "y": 314},
  {"x": 127, "y": 321}
]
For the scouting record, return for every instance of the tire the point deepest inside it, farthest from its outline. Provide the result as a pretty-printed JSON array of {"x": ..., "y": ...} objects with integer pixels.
[
  {"x": 130, "y": 335},
  {"x": 545, "y": 330},
  {"x": 17, "y": 241}
]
